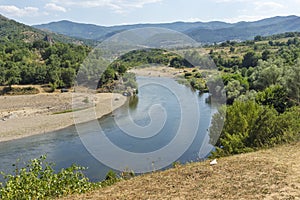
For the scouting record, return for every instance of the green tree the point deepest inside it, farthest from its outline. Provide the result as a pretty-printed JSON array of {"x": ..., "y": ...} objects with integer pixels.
[
  {"x": 250, "y": 59},
  {"x": 12, "y": 76},
  {"x": 275, "y": 96},
  {"x": 267, "y": 73},
  {"x": 292, "y": 80},
  {"x": 68, "y": 77},
  {"x": 266, "y": 54},
  {"x": 233, "y": 90}
]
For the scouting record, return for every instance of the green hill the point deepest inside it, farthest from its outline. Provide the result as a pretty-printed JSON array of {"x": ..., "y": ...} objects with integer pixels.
[
  {"x": 32, "y": 56},
  {"x": 12, "y": 31}
]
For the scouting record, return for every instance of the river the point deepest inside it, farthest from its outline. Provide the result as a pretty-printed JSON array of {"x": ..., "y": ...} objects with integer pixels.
[{"x": 156, "y": 113}]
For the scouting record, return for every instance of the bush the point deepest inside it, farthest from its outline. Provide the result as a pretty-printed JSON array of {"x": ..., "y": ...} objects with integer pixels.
[
  {"x": 19, "y": 90},
  {"x": 38, "y": 180},
  {"x": 249, "y": 126}
]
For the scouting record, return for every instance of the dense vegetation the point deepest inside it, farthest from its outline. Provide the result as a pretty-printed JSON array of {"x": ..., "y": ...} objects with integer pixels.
[
  {"x": 38, "y": 180},
  {"x": 262, "y": 83},
  {"x": 29, "y": 56}
]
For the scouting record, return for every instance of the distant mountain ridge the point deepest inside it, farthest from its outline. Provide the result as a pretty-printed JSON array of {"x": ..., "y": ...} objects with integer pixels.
[{"x": 206, "y": 32}]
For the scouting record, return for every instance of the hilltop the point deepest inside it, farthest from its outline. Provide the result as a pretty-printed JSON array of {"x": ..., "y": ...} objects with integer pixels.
[
  {"x": 15, "y": 32},
  {"x": 266, "y": 174}
]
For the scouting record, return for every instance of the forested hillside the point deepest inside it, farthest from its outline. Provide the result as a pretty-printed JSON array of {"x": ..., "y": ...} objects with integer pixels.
[{"x": 30, "y": 56}]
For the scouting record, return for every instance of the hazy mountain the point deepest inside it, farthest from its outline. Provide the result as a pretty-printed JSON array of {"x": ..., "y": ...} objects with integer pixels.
[
  {"x": 206, "y": 32},
  {"x": 90, "y": 31},
  {"x": 247, "y": 30}
]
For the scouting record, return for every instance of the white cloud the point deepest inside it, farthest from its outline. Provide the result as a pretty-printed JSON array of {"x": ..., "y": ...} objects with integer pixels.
[
  {"x": 54, "y": 7},
  {"x": 118, "y": 6},
  {"x": 248, "y": 18},
  {"x": 231, "y": 1},
  {"x": 268, "y": 6},
  {"x": 11, "y": 10}
]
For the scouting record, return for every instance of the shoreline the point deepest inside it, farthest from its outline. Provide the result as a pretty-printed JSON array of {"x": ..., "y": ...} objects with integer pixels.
[{"x": 28, "y": 115}]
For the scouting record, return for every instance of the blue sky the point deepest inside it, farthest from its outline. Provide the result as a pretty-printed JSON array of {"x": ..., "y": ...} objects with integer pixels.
[{"x": 113, "y": 12}]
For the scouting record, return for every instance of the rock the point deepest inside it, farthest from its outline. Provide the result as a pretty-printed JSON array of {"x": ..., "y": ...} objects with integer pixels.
[{"x": 213, "y": 162}]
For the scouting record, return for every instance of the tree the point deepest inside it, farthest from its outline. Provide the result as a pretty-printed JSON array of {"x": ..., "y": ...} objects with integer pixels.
[
  {"x": 257, "y": 38},
  {"x": 12, "y": 76},
  {"x": 233, "y": 90},
  {"x": 275, "y": 96},
  {"x": 250, "y": 59},
  {"x": 267, "y": 73},
  {"x": 240, "y": 117},
  {"x": 249, "y": 125},
  {"x": 266, "y": 54},
  {"x": 68, "y": 76},
  {"x": 292, "y": 80}
]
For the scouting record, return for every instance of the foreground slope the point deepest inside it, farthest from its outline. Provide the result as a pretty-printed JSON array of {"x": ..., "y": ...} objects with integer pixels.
[{"x": 266, "y": 174}]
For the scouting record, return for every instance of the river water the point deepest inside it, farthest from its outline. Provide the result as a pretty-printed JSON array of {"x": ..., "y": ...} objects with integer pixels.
[{"x": 148, "y": 126}]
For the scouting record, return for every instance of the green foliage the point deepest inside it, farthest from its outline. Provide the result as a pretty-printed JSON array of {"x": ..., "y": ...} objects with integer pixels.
[
  {"x": 267, "y": 73},
  {"x": 116, "y": 71},
  {"x": 127, "y": 174},
  {"x": 30, "y": 56},
  {"x": 264, "y": 96},
  {"x": 275, "y": 96},
  {"x": 249, "y": 126},
  {"x": 19, "y": 91},
  {"x": 38, "y": 180},
  {"x": 58, "y": 64},
  {"x": 235, "y": 85},
  {"x": 250, "y": 59}
]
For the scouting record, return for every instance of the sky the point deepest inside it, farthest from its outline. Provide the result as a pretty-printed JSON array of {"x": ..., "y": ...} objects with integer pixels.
[{"x": 119, "y": 12}]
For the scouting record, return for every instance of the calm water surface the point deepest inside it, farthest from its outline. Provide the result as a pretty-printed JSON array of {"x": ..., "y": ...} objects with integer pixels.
[{"x": 65, "y": 147}]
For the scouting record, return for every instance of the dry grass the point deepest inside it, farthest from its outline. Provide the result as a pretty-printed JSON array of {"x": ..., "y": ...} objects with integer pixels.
[{"x": 266, "y": 174}]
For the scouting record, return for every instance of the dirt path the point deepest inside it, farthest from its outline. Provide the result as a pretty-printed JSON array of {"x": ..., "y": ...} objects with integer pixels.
[{"x": 266, "y": 174}]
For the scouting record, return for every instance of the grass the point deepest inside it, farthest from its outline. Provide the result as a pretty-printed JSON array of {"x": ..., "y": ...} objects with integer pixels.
[
  {"x": 18, "y": 91},
  {"x": 265, "y": 174},
  {"x": 69, "y": 110}
]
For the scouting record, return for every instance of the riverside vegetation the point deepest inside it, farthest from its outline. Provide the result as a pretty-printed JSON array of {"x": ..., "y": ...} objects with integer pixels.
[{"x": 261, "y": 78}]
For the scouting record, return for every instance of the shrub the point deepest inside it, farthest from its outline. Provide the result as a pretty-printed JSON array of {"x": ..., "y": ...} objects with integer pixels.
[
  {"x": 249, "y": 126},
  {"x": 38, "y": 180}
]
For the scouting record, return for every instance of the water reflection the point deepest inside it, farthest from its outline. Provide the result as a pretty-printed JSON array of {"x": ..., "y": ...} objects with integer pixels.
[{"x": 133, "y": 102}]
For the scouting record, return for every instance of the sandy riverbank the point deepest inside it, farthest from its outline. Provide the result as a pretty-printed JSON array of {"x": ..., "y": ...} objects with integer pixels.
[
  {"x": 159, "y": 71},
  {"x": 27, "y": 115}
]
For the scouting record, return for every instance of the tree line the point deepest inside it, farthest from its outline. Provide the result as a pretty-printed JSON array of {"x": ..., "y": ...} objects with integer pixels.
[
  {"x": 262, "y": 84},
  {"x": 40, "y": 62}
]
